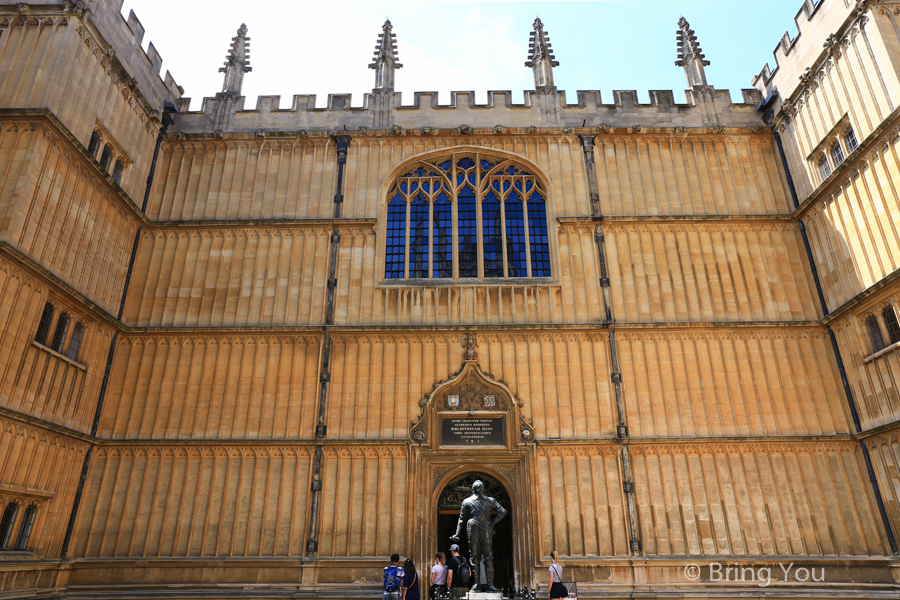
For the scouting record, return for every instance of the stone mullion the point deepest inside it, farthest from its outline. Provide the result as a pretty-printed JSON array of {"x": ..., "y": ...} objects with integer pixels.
[
  {"x": 342, "y": 144},
  {"x": 587, "y": 145}
]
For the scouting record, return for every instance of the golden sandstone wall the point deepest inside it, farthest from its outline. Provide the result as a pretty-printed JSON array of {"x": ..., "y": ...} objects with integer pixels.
[{"x": 239, "y": 421}]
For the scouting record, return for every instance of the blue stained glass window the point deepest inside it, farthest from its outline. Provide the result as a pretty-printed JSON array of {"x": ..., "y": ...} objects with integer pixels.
[
  {"x": 490, "y": 231},
  {"x": 537, "y": 233},
  {"x": 465, "y": 163},
  {"x": 395, "y": 259},
  {"x": 445, "y": 165},
  {"x": 418, "y": 237},
  {"x": 516, "y": 265},
  {"x": 442, "y": 237},
  {"x": 510, "y": 170},
  {"x": 468, "y": 233},
  {"x": 487, "y": 166}
]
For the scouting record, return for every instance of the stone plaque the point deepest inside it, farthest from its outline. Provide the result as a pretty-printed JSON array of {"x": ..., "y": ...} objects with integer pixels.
[{"x": 473, "y": 432}]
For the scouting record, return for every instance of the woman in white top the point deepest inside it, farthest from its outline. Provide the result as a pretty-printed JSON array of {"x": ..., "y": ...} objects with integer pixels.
[
  {"x": 556, "y": 589},
  {"x": 438, "y": 574}
]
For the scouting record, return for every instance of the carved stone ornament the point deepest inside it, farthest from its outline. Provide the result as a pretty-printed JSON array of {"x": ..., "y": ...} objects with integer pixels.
[
  {"x": 260, "y": 134},
  {"x": 463, "y": 130},
  {"x": 499, "y": 129},
  {"x": 568, "y": 130},
  {"x": 637, "y": 128},
  {"x": 396, "y": 130},
  {"x": 303, "y": 133},
  {"x": 219, "y": 134},
  {"x": 175, "y": 135},
  {"x": 363, "y": 130},
  {"x": 680, "y": 130},
  {"x": 23, "y": 8},
  {"x": 427, "y": 131},
  {"x": 470, "y": 393},
  {"x": 131, "y": 83},
  {"x": 719, "y": 129},
  {"x": 603, "y": 128}
]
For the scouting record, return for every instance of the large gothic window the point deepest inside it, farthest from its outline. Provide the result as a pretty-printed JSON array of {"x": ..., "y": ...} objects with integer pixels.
[{"x": 466, "y": 216}]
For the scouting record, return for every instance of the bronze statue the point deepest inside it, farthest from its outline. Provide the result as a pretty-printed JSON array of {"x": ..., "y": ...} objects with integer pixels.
[{"x": 476, "y": 512}]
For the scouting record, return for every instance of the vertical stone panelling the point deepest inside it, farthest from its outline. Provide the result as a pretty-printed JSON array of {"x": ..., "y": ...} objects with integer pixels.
[
  {"x": 734, "y": 272},
  {"x": 853, "y": 229},
  {"x": 194, "y": 501},
  {"x": 41, "y": 467},
  {"x": 55, "y": 210},
  {"x": 364, "y": 495},
  {"x": 681, "y": 174},
  {"x": 714, "y": 383},
  {"x": 749, "y": 500},
  {"x": 212, "y": 387},
  {"x": 34, "y": 380},
  {"x": 581, "y": 502},
  {"x": 885, "y": 452},
  {"x": 229, "y": 278}
]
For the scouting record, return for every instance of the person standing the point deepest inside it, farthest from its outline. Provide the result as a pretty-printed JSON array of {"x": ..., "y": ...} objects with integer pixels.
[
  {"x": 556, "y": 589},
  {"x": 393, "y": 579},
  {"x": 410, "y": 582},
  {"x": 438, "y": 575},
  {"x": 457, "y": 586}
]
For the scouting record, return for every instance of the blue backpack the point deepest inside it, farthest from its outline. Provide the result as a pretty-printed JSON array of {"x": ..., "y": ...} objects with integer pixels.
[{"x": 393, "y": 575}]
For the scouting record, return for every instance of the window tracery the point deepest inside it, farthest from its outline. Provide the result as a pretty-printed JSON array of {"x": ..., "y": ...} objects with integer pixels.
[{"x": 466, "y": 216}]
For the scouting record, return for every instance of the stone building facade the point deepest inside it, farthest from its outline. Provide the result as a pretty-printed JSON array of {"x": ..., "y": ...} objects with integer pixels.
[{"x": 253, "y": 352}]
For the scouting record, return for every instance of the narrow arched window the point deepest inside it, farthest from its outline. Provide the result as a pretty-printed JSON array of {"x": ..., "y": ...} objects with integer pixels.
[
  {"x": 59, "y": 336},
  {"x": 850, "y": 138},
  {"x": 117, "y": 171},
  {"x": 837, "y": 153},
  {"x": 824, "y": 168},
  {"x": 893, "y": 327},
  {"x": 6, "y": 524},
  {"x": 497, "y": 228},
  {"x": 75, "y": 344},
  {"x": 105, "y": 157},
  {"x": 26, "y": 527},
  {"x": 94, "y": 144},
  {"x": 44, "y": 326},
  {"x": 875, "y": 333}
]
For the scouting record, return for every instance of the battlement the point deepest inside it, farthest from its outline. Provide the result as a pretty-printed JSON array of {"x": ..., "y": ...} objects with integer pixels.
[
  {"x": 124, "y": 36},
  {"x": 545, "y": 108},
  {"x": 794, "y": 56}
]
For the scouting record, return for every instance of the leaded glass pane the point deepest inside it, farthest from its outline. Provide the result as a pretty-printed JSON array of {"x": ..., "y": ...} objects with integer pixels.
[
  {"x": 893, "y": 327},
  {"x": 490, "y": 232},
  {"x": 537, "y": 233},
  {"x": 516, "y": 265},
  {"x": 418, "y": 238},
  {"x": 442, "y": 236},
  {"x": 395, "y": 257},
  {"x": 468, "y": 233}
]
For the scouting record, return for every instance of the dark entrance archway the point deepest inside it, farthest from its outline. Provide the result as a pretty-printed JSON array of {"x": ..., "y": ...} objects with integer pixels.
[{"x": 449, "y": 503}]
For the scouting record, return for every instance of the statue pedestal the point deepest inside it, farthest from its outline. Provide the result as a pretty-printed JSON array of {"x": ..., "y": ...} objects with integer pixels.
[{"x": 485, "y": 596}]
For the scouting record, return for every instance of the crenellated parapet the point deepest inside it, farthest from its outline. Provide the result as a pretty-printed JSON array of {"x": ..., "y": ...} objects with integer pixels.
[{"x": 705, "y": 107}]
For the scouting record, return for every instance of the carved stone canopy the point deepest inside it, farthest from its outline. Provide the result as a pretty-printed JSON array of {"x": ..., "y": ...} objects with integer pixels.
[{"x": 470, "y": 393}]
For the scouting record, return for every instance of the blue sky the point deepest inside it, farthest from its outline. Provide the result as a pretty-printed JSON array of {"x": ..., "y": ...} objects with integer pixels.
[{"x": 324, "y": 47}]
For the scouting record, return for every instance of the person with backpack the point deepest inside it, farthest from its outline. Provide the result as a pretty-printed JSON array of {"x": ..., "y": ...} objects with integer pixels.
[
  {"x": 438, "y": 576},
  {"x": 459, "y": 574},
  {"x": 393, "y": 579}
]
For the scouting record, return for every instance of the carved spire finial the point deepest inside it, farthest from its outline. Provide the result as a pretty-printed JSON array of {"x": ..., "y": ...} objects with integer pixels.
[
  {"x": 690, "y": 55},
  {"x": 385, "y": 60},
  {"x": 540, "y": 57},
  {"x": 237, "y": 62}
]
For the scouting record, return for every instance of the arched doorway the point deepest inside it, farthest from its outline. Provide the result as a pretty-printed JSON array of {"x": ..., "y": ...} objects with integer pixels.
[{"x": 449, "y": 503}]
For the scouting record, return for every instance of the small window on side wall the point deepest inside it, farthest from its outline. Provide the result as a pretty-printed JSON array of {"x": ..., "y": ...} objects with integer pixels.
[
  {"x": 837, "y": 153},
  {"x": 893, "y": 327},
  {"x": 75, "y": 344},
  {"x": 824, "y": 168},
  {"x": 26, "y": 527},
  {"x": 44, "y": 326},
  {"x": 59, "y": 336},
  {"x": 6, "y": 524},
  {"x": 875, "y": 333},
  {"x": 106, "y": 157},
  {"x": 850, "y": 138},
  {"x": 94, "y": 144},
  {"x": 117, "y": 171}
]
